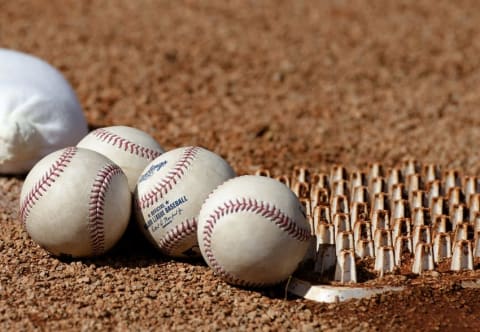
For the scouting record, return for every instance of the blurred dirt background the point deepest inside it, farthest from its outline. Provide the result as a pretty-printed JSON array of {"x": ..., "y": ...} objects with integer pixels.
[{"x": 268, "y": 83}]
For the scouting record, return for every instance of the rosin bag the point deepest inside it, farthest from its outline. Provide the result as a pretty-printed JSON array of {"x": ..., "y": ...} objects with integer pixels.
[{"x": 39, "y": 112}]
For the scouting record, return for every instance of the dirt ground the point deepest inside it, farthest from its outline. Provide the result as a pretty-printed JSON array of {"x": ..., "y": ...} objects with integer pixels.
[{"x": 271, "y": 84}]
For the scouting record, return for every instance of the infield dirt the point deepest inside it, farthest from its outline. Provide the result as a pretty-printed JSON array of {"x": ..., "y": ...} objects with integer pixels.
[{"x": 272, "y": 84}]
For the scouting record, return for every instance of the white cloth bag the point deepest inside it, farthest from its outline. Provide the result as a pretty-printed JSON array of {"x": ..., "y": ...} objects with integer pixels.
[{"x": 39, "y": 112}]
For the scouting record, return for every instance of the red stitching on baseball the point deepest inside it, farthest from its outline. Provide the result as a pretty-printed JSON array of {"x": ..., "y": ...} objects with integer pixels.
[
  {"x": 173, "y": 176},
  {"x": 47, "y": 180},
  {"x": 176, "y": 235},
  {"x": 124, "y": 144},
  {"x": 99, "y": 189},
  {"x": 266, "y": 210}
]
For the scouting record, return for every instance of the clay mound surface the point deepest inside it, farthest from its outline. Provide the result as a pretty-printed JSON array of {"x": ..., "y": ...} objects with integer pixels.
[{"x": 270, "y": 85}]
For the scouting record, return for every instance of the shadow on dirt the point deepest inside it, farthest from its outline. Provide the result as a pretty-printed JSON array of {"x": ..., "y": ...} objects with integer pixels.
[{"x": 133, "y": 250}]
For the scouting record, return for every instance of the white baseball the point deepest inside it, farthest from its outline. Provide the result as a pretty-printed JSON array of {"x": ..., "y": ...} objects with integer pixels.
[
  {"x": 39, "y": 112},
  {"x": 130, "y": 148},
  {"x": 75, "y": 202},
  {"x": 252, "y": 231},
  {"x": 170, "y": 193}
]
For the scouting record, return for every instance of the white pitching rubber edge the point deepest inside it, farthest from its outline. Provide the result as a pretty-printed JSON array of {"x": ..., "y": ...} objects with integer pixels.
[{"x": 334, "y": 294}]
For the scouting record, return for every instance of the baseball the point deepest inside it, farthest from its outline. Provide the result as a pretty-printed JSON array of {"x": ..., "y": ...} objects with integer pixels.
[
  {"x": 252, "y": 231},
  {"x": 130, "y": 148},
  {"x": 75, "y": 202},
  {"x": 39, "y": 112},
  {"x": 170, "y": 193}
]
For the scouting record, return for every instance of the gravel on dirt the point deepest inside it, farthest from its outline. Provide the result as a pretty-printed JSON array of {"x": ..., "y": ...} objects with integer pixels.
[{"x": 271, "y": 84}]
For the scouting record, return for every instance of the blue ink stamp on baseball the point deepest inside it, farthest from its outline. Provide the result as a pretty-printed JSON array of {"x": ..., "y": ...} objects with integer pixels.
[
  {"x": 164, "y": 213},
  {"x": 152, "y": 170}
]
